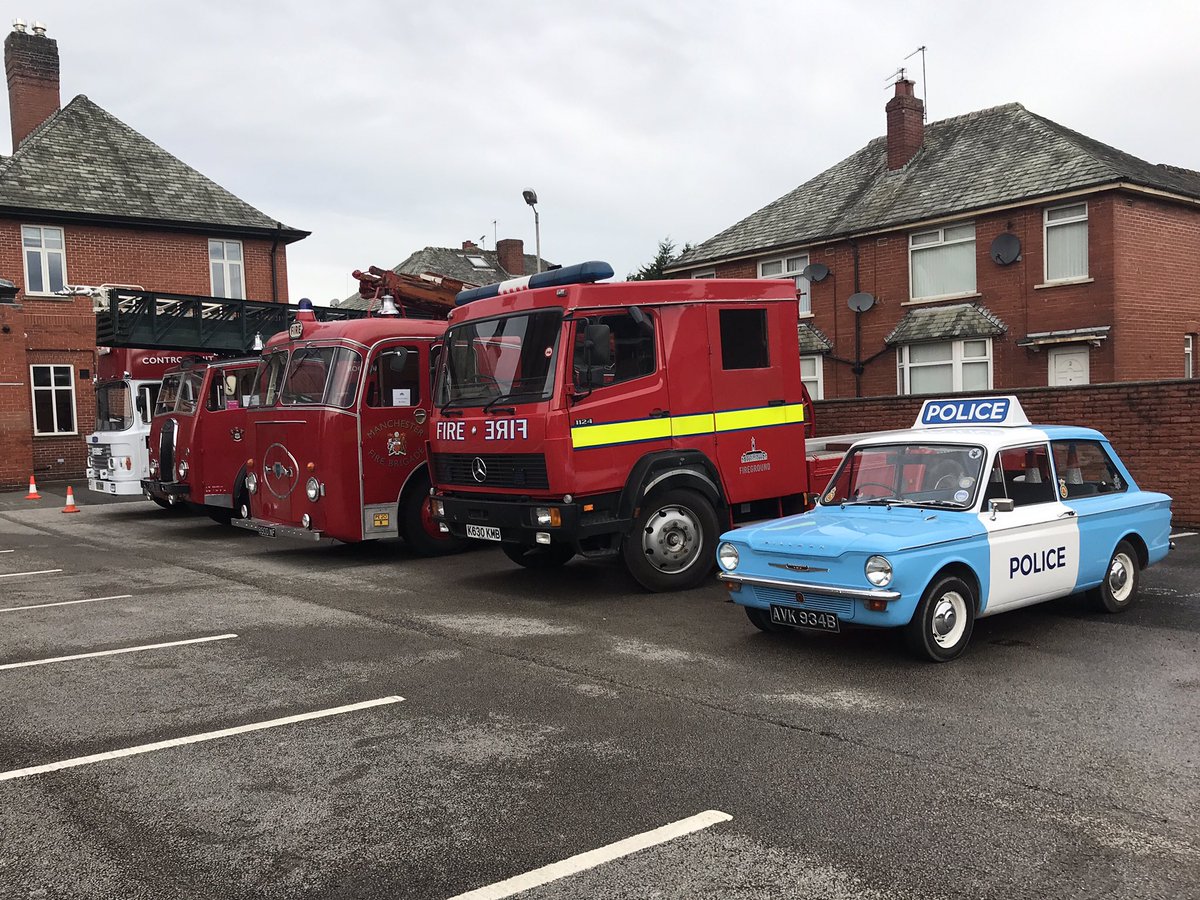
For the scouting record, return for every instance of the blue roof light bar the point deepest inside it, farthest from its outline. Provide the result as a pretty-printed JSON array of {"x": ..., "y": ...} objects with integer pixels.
[{"x": 583, "y": 273}]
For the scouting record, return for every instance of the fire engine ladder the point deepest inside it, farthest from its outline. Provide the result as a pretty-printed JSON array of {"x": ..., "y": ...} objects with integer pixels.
[{"x": 136, "y": 318}]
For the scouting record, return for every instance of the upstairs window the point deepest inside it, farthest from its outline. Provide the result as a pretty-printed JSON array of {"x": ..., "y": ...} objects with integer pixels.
[
  {"x": 744, "y": 339},
  {"x": 53, "y": 399},
  {"x": 1066, "y": 241},
  {"x": 941, "y": 262},
  {"x": 705, "y": 273},
  {"x": 945, "y": 368},
  {"x": 1189, "y": 356},
  {"x": 45, "y": 259},
  {"x": 790, "y": 267},
  {"x": 225, "y": 265},
  {"x": 812, "y": 374}
]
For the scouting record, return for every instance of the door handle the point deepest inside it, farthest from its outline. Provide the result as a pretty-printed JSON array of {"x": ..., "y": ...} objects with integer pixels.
[
  {"x": 660, "y": 413},
  {"x": 1066, "y": 514}
]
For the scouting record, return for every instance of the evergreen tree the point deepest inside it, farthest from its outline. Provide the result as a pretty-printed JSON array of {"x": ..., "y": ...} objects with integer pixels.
[{"x": 653, "y": 270}]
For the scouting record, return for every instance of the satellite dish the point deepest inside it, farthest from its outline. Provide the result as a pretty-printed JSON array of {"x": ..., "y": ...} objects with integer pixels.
[
  {"x": 1005, "y": 248},
  {"x": 860, "y": 302},
  {"x": 815, "y": 271}
]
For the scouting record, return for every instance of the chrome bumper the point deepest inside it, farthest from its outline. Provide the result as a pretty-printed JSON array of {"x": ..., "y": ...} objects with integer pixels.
[
  {"x": 817, "y": 590},
  {"x": 271, "y": 530}
]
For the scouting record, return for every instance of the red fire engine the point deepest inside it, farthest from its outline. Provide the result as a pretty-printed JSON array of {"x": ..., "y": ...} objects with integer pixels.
[
  {"x": 338, "y": 418},
  {"x": 639, "y": 418},
  {"x": 196, "y": 440},
  {"x": 127, "y": 383}
]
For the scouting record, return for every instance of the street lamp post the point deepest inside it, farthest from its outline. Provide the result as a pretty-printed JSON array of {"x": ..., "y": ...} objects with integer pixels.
[{"x": 530, "y": 196}]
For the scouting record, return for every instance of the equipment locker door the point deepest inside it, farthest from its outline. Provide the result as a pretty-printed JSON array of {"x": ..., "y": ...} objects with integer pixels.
[{"x": 759, "y": 432}]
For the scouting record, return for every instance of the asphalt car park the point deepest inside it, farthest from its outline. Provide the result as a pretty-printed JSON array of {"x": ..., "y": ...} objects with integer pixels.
[{"x": 250, "y": 718}]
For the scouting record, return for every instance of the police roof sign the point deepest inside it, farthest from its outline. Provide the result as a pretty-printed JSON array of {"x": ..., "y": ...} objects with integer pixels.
[{"x": 971, "y": 411}]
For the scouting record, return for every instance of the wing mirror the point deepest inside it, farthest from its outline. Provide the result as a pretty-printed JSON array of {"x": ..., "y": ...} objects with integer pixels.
[{"x": 1000, "y": 504}]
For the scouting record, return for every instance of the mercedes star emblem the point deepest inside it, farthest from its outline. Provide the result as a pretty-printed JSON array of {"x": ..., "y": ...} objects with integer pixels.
[{"x": 479, "y": 469}]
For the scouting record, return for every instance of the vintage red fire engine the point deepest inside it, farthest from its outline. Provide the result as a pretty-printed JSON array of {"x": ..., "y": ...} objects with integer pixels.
[
  {"x": 197, "y": 439},
  {"x": 338, "y": 418},
  {"x": 638, "y": 418}
]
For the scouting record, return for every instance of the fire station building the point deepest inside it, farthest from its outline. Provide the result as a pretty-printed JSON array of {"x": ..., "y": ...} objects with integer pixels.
[
  {"x": 86, "y": 200},
  {"x": 993, "y": 250}
]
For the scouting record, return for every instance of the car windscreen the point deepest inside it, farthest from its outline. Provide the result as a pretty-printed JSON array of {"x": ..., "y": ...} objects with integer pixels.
[
  {"x": 496, "y": 359},
  {"x": 910, "y": 474},
  {"x": 114, "y": 406}
]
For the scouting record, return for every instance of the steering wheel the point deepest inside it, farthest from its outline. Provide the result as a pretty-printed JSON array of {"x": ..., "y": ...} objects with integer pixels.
[
  {"x": 888, "y": 490},
  {"x": 948, "y": 477}
]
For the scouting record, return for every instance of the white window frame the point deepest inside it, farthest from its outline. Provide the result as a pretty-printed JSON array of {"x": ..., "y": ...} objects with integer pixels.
[
  {"x": 52, "y": 389},
  {"x": 1047, "y": 225},
  {"x": 44, "y": 255},
  {"x": 904, "y": 367},
  {"x": 1189, "y": 356},
  {"x": 819, "y": 381},
  {"x": 705, "y": 273},
  {"x": 225, "y": 263},
  {"x": 941, "y": 242},
  {"x": 792, "y": 266}
]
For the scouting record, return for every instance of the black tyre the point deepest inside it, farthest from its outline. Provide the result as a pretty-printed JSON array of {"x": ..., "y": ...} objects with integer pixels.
[
  {"x": 219, "y": 514},
  {"x": 539, "y": 556},
  {"x": 761, "y": 619},
  {"x": 161, "y": 502},
  {"x": 1119, "y": 588},
  {"x": 945, "y": 617},
  {"x": 417, "y": 526},
  {"x": 673, "y": 542}
]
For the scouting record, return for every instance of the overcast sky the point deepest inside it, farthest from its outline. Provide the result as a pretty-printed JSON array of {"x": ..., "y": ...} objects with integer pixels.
[{"x": 384, "y": 127}]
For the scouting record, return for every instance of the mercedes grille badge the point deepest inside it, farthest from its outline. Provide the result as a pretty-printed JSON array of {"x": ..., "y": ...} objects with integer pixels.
[{"x": 479, "y": 469}]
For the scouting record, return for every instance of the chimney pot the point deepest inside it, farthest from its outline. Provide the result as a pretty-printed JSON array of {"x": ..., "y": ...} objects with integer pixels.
[
  {"x": 905, "y": 125},
  {"x": 39, "y": 29},
  {"x": 19, "y": 26}
]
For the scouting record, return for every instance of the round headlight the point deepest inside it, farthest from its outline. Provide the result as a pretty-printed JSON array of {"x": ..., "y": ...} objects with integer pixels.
[
  {"x": 312, "y": 488},
  {"x": 251, "y": 482},
  {"x": 879, "y": 571},
  {"x": 182, "y": 468},
  {"x": 154, "y": 467},
  {"x": 727, "y": 556}
]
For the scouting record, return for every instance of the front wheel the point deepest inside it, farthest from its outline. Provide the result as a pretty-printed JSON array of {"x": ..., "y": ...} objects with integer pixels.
[
  {"x": 942, "y": 625},
  {"x": 418, "y": 528},
  {"x": 672, "y": 545},
  {"x": 1118, "y": 590},
  {"x": 539, "y": 556},
  {"x": 761, "y": 619}
]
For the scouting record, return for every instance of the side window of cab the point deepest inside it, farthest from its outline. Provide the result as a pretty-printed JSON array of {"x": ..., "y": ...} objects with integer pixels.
[
  {"x": 1085, "y": 469},
  {"x": 1022, "y": 474},
  {"x": 628, "y": 352},
  {"x": 745, "y": 343},
  {"x": 394, "y": 378}
]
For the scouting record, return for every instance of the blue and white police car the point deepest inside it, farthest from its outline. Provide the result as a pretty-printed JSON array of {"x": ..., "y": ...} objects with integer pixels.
[{"x": 971, "y": 512}]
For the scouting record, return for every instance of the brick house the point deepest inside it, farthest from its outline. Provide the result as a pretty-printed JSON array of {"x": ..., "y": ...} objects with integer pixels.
[
  {"x": 1000, "y": 249},
  {"x": 469, "y": 264},
  {"x": 86, "y": 200}
]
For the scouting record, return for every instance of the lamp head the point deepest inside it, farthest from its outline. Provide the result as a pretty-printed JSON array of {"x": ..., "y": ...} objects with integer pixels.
[{"x": 530, "y": 196}]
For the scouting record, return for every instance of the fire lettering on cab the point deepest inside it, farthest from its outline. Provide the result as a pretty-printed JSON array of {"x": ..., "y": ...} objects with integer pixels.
[
  {"x": 506, "y": 429},
  {"x": 451, "y": 431}
]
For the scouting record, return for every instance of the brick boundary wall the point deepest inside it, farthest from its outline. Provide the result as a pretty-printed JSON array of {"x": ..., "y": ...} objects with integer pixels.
[{"x": 1154, "y": 426}]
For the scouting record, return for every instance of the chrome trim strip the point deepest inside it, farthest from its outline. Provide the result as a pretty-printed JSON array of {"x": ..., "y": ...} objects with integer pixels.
[{"x": 818, "y": 590}]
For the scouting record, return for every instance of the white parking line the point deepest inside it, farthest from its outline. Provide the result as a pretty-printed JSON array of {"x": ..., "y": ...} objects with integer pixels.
[
  {"x": 8, "y": 551},
  {"x": 40, "y": 572},
  {"x": 1185, "y": 534},
  {"x": 193, "y": 739},
  {"x": 592, "y": 858},
  {"x": 54, "y": 659},
  {"x": 66, "y": 603}
]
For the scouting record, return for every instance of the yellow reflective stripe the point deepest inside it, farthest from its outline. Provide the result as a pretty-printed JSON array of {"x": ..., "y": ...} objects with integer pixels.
[
  {"x": 794, "y": 412},
  {"x": 619, "y": 433},
  {"x": 682, "y": 426},
  {"x": 750, "y": 418}
]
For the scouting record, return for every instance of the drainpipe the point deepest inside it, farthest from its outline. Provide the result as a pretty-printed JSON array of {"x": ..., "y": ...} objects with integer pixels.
[
  {"x": 274, "y": 270},
  {"x": 858, "y": 363}
]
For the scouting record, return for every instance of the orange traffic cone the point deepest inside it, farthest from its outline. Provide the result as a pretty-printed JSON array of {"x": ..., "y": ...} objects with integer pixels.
[
  {"x": 33, "y": 494},
  {"x": 70, "y": 507}
]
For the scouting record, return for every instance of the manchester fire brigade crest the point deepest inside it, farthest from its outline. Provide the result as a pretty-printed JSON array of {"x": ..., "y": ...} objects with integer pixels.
[{"x": 397, "y": 444}]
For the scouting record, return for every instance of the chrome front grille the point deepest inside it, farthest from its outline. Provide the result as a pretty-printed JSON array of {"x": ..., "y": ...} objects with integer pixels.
[{"x": 842, "y": 607}]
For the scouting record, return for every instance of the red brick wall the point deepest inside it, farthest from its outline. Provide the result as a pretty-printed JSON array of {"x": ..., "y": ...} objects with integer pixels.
[
  {"x": 1144, "y": 266},
  {"x": 16, "y": 452},
  {"x": 1145, "y": 421}
]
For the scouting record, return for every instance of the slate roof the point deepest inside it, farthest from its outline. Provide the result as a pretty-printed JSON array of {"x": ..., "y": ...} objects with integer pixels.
[
  {"x": 813, "y": 340},
  {"x": 991, "y": 157},
  {"x": 83, "y": 162},
  {"x": 939, "y": 323},
  {"x": 447, "y": 261}
]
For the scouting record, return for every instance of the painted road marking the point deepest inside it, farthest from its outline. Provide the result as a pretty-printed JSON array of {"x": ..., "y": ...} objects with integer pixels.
[
  {"x": 1185, "y": 534},
  {"x": 54, "y": 659},
  {"x": 8, "y": 551},
  {"x": 592, "y": 858},
  {"x": 41, "y": 572},
  {"x": 67, "y": 602},
  {"x": 193, "y": 739}
]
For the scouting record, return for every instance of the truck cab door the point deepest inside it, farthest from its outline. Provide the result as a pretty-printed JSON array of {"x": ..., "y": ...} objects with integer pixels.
[
  {"x": 619, "y": 409},
  {"x": 394, "y": 410}
]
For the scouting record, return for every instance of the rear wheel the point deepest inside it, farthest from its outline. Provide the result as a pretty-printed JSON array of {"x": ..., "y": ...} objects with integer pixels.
[
  {"x": 161, "y": 502},
  {"x": 417, "y": 526},
  {"x": 1118, "y": 590},
  {"x": 673, "y": 543},
  {"x": 945, "y": 617},
  {"x": 539, "y": 556}
]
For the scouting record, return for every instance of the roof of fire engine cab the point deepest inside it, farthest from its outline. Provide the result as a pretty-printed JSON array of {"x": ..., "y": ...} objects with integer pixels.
[
  {"x": 367, "y": 332},
  {"x": 991, "y": 157},
  {"x": 84, "y": 163}
]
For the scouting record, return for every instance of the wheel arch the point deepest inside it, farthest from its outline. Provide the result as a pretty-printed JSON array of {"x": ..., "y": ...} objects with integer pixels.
[
  {"x": 675, "y": 469},
  {"x": 1139, "y": 547},
  {"x": 959, "y": 569},
  {"x": 421, "y": 470}
]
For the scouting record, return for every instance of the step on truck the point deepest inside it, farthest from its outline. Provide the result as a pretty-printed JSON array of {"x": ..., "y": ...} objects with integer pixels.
[
  {"x": 338, "y": 424},
  {"x": 197, "y": 438},
  {"x": 636, "y": 418},
  {"x": 127, "y": 385}
]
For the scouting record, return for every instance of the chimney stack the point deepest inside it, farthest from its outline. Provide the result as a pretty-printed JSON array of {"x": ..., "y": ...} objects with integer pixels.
[
  {"x": 511, "y": 253},
  {"x": 905, "y": 125},
  {"x": 470, "y": 245},
  {"x": 31, "y": 63}
]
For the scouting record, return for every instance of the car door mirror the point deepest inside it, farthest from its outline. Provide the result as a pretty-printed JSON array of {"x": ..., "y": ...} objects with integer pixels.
[
  {"x": 1000, "y": 504},
  {"x": 397, "y": 359},
  {"x": 597, "y": 342}
]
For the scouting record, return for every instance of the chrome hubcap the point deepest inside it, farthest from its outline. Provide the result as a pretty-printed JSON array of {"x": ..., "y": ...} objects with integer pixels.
[
  {"x": 943, "y": 617},
  {"x": 671, "y": 539},
  {"x": 1120, "y": 585},
  {"x": 949, "y": 620}
]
